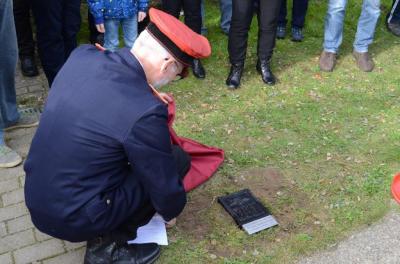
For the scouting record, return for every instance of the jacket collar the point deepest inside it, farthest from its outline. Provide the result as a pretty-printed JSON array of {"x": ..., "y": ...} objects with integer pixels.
[{"x": 131, "y": 61}]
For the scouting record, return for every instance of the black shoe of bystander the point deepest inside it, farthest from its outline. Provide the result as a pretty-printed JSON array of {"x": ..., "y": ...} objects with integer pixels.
[
  {"x": 235, "y": 74},
  {"x": 263, "y": 67},
  {"x": 28, "y": 66}
]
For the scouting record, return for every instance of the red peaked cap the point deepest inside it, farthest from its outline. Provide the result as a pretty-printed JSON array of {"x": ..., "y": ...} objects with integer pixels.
[{"x": 182, "y": 42}]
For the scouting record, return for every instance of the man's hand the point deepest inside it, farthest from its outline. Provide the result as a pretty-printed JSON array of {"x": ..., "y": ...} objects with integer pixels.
[
  {"x": 170, "y": 223},
  {"x": 100, "y": 28},
  {"x": 141, "y": 16},
  {"x": 166, "y": 97}
]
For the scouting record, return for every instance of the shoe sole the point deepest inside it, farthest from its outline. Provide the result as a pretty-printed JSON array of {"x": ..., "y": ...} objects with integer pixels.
[
  {"x": 11, "y": 164},
  {"x": 21, "y": 126}
]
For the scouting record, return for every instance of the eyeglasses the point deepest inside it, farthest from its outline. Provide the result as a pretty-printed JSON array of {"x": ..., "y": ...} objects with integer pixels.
[{"x": 182, "y": 74}]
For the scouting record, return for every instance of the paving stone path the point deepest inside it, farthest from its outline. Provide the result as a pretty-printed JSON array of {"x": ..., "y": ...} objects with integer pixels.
[{"x": 21, "y": 243}]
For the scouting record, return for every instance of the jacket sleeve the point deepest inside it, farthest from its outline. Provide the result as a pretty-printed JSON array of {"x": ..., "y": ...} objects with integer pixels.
[
  {"x": 96, "y": 7},
  {"x": 143, "y": 5},
  {"x": 149, "y": 151}
]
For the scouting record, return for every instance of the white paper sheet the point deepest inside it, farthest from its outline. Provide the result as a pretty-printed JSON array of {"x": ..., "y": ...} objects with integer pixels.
[{"x": 153, "y": 232}]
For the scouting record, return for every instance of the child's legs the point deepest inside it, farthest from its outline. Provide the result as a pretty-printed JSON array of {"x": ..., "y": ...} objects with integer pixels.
[
  {"x": 130, "y": 29},
  {"x": 111, "y": 41}
]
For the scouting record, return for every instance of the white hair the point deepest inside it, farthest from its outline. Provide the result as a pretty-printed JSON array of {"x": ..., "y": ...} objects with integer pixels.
[{"x": 147, "y": 44}]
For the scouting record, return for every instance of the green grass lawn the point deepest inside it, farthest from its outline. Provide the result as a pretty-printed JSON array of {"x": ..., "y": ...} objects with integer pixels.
[{"x": 319, "y": 149}]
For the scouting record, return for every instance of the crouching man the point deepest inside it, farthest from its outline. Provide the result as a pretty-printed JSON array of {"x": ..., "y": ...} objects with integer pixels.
[{"x": 101, "y": 162}]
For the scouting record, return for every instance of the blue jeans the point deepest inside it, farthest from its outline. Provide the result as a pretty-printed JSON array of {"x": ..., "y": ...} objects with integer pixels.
[
  {"x": 1, "y": 137},
  {"x": 111, "y": 36},
  {"x": 365, "y": 30},
  {"x": 8, "y": 63},
  {"x": 225, "y": 7}
]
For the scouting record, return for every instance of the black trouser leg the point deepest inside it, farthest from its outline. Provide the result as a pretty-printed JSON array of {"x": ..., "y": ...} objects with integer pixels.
[
  {"x": 57, "y": 24},
  {"x": 242, "y": 14},
  {"x": 191, "y": 9},
  {"x": 172, "y": 7},
  {"x": 267, "y": 22},
  {"x": 127, "y": 230},
  {"x": 93, "y": 33},
  {"x": 22, "y": 18},
  {"x": 72, "y": 24},
  {"x": 282, "y": 21},
  {"x": 299, "y": 12},
  {"x": 394, "y": 14}
]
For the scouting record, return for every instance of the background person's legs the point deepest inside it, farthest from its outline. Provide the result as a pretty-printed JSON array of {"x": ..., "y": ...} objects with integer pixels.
[
  {"x": 267, "y": 22},
  {"x": 94, "y": 35},
  {"x": 334, "y": 21},
  {"x": 8, "y": 63},
  {"x": 299, "y": 12},
  {"x": 26, "y": 45},
  {"x": 71, "y": 25},
  {"x": 111, "y": 35},
  {"x": 130, "y": 30},
  {"x": 366, "y": 25},
  {"x": 242, "y": 14},
  {"x": 172, "y": 7},
  {"x": 393, "y": 16},
  {"x": 57, "y": 23},
  {"x": 49, "y": 19},
  {"x": 282, "y": 14},
  {"x": 225, "y": 7}
]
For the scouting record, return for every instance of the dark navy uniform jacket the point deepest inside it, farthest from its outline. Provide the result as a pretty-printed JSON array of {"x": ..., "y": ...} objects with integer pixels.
[{"x": 102, "y": 149}]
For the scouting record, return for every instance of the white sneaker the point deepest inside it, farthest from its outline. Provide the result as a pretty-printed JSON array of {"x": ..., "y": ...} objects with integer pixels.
[{"x": 8, "y": 157}]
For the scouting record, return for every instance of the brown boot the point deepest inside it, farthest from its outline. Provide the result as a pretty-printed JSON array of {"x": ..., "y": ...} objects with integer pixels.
[
  {"x": 364, "y": 61},
  {"x": 327, "y": 61}
]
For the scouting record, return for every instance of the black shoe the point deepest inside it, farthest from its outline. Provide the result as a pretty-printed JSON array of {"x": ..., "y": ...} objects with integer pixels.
[
  {"x": 263, "y": 67},
  {"x": 104, "y": 251},
  {"x": 234, "y": 77},
  {"x": 280, "y": 32},
  {"x": 198, "y": 69},
  {"x": 297, "y": 34},
  {"x": 28, "y": 66},
  {"x": 394, "y": 28}
]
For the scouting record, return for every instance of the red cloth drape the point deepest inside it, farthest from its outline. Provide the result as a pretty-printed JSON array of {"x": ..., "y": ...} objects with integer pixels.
[{"x": 205, "y": 159}]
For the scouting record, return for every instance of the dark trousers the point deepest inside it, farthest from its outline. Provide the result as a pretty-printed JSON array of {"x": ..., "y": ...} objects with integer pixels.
[
  {"x": 127, "y": 230},
  {"x": 58, "y": 23},
  {"x": 394, "y": 14},
  {"x": 22, "y": 18},
  {"x": 93, "y": 33},
  {"x": 191, "y": 9},
  {"x": 299, "y": 12},
  {"x": 242, "y": 14}
]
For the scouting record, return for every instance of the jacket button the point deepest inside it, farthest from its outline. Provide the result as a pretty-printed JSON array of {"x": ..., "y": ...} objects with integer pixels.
[{"x": 108, "y": 201}]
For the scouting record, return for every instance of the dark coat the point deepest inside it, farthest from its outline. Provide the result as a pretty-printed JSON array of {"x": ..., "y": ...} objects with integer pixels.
[{"x": 102, "y": 149}]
